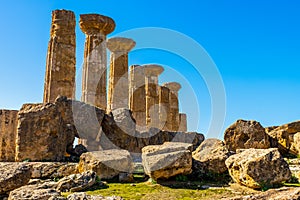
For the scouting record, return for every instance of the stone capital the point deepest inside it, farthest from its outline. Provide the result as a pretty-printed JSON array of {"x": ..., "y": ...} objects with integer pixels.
[
  {"x": 119, "y": 44},
  {"x": 95, "y": 23},
  {"x": 173, "y": 86},
  {"x": 153, "y": 70}
]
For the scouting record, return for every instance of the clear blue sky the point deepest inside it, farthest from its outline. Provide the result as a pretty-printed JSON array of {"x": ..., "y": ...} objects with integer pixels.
[{"x": 255, "y": 45}]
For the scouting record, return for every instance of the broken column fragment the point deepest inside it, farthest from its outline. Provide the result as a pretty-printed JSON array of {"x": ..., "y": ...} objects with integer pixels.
[
  {"x": 174, "y": 104},
  {"x": 152, "y": 95},
  {"x": 118, "y": 76},
  {"x": 61, "y": 60},
  {"x": 8, "y": 132},
  {"x": 95, "y": 27}
]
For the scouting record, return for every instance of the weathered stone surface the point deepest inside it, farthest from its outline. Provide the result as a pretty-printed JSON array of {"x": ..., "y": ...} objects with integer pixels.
[
  {"x": 42, "y": 126},
  {"x": 87, "y": 119},
  {"x": 13, "y": 175},
  {"x": 284, "y": 193},
  {"x": 174, "y": 104},
  {"x": 95, "y": 27},
  {"x": 152, "y": 94},
  {"x": 77, "y": 182},
  {"x": 246, "y": 134},
  {"x": 107, "y": 164},
  {"x": 137, "y": 95},
  {"x": 61, "y": 60},
  {"x": 164, "y": 109},
  {"x": 112, "y": 136},
  {"x": 51, "y": 170},
  {"x": 167, "y": 160},
  {"x": 210, "y": 157},
  {"x": 287, "y": 138},
  {"x": 124, "y": 120},
  {"x": 256, "y": 168},
  {"x": 33, "y": 192},
  {"x": 294, "y": 165},
  {"x": 118, "y": 95},
  {"x": 84, "y": 196},
  {"x": 182, "y": 122},
  {"x": 8, "y": 132},
  {"x": 51, "y": 128}
]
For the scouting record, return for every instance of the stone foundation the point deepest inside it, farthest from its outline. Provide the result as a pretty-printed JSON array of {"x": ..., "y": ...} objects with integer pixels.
[{"x": 8, "y": 132}]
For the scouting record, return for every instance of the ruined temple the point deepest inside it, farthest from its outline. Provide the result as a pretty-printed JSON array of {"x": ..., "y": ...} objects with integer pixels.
[{"x": 131, "y": 112}]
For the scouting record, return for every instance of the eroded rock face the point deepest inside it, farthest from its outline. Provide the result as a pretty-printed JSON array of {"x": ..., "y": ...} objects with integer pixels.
[
  {"x": 114, "y": 136},
  {"x": 256, "y": 168},
  {"x": 167, "y": 160},
  {"x": 13, "y": 175},
  {"x": 77, "y": 182},
  {"x": 51, "y": 128},
  {"x": 124, "y": 120},
  {"x": 8, "y": 132},
  {"x": 210, "y": 157},
  {"x": 286, "y": 138},
  {"x": 43, "y": 133},
  {"x": 107, "y": 164},
  {"x": 33, "y": 192},
  {"x": 51, "y": 170},
  {"x": 246, "y": 134}
]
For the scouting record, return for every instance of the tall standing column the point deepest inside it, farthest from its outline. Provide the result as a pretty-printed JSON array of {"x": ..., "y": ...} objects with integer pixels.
[
  {"x": 152, "y": 95},
  {"x": 164, "y": 108},
  {"x": 118, "y": 74},
  {"x": 182, "y": 122},
  {"x": 174, "y": 104},
  {"x": 61, "y": 60},
  {"x": 137, "y": 95},
  {"x": 96, "y": 27}
]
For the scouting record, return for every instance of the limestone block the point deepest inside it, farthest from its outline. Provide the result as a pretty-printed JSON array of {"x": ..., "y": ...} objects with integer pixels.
[{"x": 8, "y": 132}]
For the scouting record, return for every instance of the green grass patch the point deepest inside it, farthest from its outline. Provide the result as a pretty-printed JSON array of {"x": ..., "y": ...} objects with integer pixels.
[{"x": 149, "y": 191}]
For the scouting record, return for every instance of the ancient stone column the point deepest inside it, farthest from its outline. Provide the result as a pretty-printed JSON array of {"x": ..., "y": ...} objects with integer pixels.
[
  {"x": 137, "y": 95},
  {"x": 8, "y": 132},
  {"x": 118, "y": 74},
  {"x": 174, "y": 104},
  {"x": 61, "y": 60},
  {"x": 152, "y": 95},
  {"x": 182, "y": 122},
  {"x": 164, "y": 108},
  {"x": 96, "y": 27}
]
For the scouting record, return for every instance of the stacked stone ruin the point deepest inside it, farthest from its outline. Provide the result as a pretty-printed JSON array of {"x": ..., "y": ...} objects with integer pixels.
[
  {"x": 152, "y": 105},
  {"x": 135, "y": 88}
]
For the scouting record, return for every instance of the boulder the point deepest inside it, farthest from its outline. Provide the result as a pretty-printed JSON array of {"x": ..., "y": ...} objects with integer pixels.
[
  {"x": 124, "y": 120},
  {"x": 210, "y": 157},
  {"x": 246, "y": 134},
  {"x": 167, "y": 160},
  {"x": 13, "y": 175},
  {"x": 107, "y": 164},
  {"x": 33, "y": 192},
  {"x": 51, "y": 170},
  {"x": 257, "y": 168},
  {"x": 51, "y": 128},
  {"x": 84, "y": 196},
  {"x": 286, "y": 138},
  {"x": 284, "y": 193},
  {"x": 77, "y": 182},
  {"x": 118, "y": 133},
  {"x": 294, "y": 165}
]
